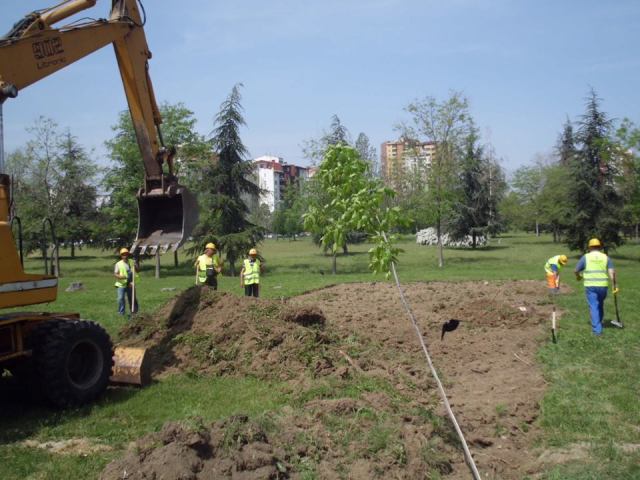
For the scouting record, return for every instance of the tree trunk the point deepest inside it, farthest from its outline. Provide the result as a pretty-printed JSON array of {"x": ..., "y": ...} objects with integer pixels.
[
  {"x": 637, "y": 232},
  {"x": 345, "y": 249},
  {"x": 473, "y": 239},
  {"x": 56, "y": 249},
  {"x": 537, "y": 228},
  {"x": 440, "y": 249},
  {"x": 334, "y": 266},
  {"x": 175, "y": 258},
  {"x": 73, "y": 249},
  {"x": 157, "y": 263}
]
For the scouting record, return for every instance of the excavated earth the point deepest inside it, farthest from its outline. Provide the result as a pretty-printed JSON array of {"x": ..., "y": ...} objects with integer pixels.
[{"x": 363, "y": 403}]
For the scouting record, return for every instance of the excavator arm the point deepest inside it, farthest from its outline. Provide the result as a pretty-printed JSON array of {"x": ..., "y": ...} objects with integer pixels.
[{"x": 36, "y": 47}]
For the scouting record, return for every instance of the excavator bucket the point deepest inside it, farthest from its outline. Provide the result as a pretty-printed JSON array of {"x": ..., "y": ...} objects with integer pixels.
[
  {"x": 130, "y": 366},
  {"x": 165, "y": 220}
]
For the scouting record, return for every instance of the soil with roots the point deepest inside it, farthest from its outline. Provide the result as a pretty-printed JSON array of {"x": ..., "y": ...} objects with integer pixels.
[{"x": 363, "y": 402}]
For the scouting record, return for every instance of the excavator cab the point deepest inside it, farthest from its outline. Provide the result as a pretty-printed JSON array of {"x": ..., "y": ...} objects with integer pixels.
[{"x": 165, "y": 220}]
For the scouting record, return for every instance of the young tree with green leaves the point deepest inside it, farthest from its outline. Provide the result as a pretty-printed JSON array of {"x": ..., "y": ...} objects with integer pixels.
[
  {"x": 597, "y": 207},
  {"x": 352, "y": 202},
  {"x": 447, "y": 123},
  {"x": 225, "y": 182}
]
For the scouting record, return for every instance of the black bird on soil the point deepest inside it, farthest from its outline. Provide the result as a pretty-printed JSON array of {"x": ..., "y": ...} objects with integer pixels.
[{"x": 449, "y": 326}]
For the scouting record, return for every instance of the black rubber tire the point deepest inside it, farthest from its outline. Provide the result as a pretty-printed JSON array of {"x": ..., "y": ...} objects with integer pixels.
[{"x": 72, "y": 361}]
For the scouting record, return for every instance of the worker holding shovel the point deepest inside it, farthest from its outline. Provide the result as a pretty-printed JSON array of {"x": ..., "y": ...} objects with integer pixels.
[
  {"x": 126, "y": 273},
  {"x": 595, "y": 268},
  {"x": 552, "y": 270}
]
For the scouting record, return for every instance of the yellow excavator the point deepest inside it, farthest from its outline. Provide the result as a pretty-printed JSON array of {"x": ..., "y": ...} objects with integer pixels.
[{"x": 70, "y": 360}]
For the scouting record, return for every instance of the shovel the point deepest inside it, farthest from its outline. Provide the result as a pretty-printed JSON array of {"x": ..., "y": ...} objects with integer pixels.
[{"x": 617, "y": 322}]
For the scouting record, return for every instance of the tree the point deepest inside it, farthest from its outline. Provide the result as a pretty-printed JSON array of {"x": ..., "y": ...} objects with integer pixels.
[
  {"x": 566, "y": 146},
  {"x": 53, "y": 178},
  {"x": 353, "y": 202},
  {"x": 447, "y": 124},
  {"x": 596, "y": 204},
  {"x": 475, "y": 210},
  {"x": 367, "y": 153},
  {"x": 123, "y": 180},
  {"x": 288, "y": 219},
  {"x": 553, "y": 200},
  {"x": 628, "y": 139},
  {"x": 527, "y": 183},
  {"x": 315, "y": 149},
  {"x": 76, "y": 193},
  {"x": 224, "y": 213}
]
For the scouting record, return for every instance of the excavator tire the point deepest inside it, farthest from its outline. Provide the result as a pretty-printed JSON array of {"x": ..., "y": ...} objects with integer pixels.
[{"x": 72, "y": 361}]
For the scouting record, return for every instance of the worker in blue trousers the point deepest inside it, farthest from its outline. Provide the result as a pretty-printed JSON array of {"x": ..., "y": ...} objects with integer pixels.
[{"x": 595, "y": 268}]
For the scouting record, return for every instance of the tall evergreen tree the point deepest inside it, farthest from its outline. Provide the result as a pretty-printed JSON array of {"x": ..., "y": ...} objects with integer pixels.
[
  {"x": 472, "y": 209},
  {"x": 566, "y": 146},
  {"x": 226, "y": 181},
  {"x": 596, "y": 204}
]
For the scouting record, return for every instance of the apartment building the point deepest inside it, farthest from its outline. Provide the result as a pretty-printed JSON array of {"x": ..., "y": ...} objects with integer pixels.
[
  {"x": 273, "y": 175},
  {"x": 405, "y": 154}
]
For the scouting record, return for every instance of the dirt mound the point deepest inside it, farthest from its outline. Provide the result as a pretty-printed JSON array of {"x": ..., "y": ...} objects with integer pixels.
[
  {"x": 365, "y": 403},
  {"x": 234, "y": 448},
  {"x": 220, "y": 333}
]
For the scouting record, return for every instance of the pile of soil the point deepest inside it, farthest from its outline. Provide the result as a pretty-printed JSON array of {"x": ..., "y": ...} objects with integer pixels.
[
  {"x": 358, "y": 334},
  {"x": 219, "y": 333},
  {"x": 232, "y": 448}
]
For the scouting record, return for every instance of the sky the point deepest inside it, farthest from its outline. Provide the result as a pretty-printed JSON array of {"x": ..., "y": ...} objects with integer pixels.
[{"x": 526, "y": 66}]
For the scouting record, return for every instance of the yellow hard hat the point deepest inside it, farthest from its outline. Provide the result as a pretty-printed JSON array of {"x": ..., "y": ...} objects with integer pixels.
[
  {"x": 210, "y": 245},
  {"x": 253, "y": 251},
  {"x": 563, "y": 259},
  {"x": 594, "y": 242},
  {"x": 124, "y": 251}
]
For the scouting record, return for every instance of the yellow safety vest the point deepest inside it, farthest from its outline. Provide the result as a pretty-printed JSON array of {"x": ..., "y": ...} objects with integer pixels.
[
  {"x": 251, "y": 273},
  {"x": 595, "y": 272},
  {"x": 205, "y": 262},
  {"x": 552, "y": 261},
  {"x": 124, "y": 271}
]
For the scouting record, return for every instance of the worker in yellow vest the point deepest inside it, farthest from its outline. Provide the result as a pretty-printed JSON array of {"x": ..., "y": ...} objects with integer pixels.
[
  {"x": 595, "y": 269},
  {"x": 208, "y": 266},
  {"x": 126, "y": 273},
  {"x": 552, "y": 270},
  {"x": 250, "y": 274}
]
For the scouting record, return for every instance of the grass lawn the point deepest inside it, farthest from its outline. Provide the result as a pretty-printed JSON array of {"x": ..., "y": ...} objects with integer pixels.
[{"x": 592, "y": 402}]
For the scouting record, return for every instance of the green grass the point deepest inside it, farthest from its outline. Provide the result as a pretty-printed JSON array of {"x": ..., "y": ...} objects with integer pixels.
[
  {"x": 592, "y": 398},
  {"x": 120, "y": 417}
]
